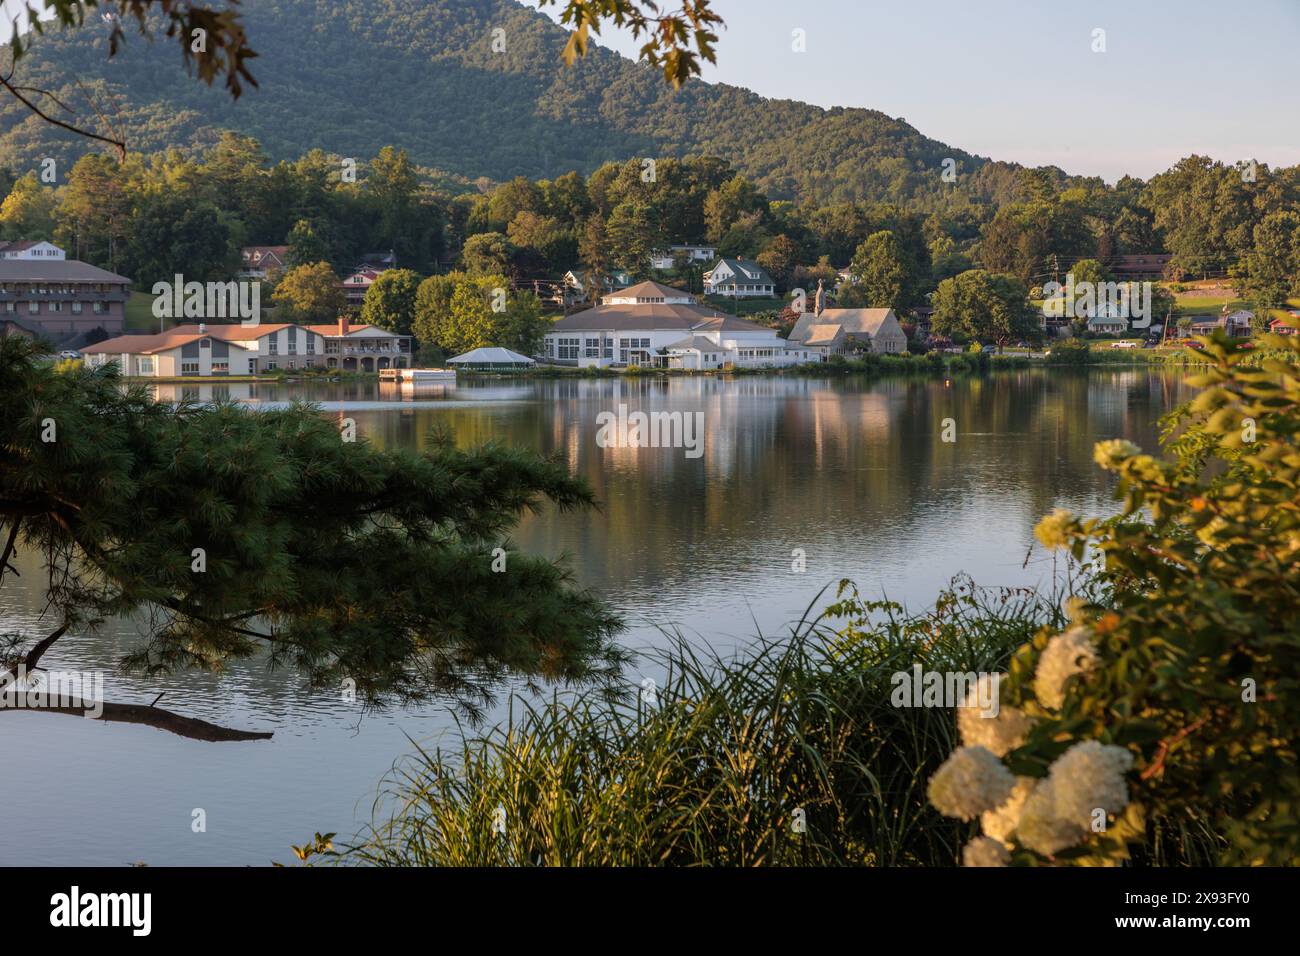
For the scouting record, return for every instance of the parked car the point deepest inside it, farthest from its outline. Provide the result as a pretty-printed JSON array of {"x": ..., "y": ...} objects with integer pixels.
[
  {"x": 69, "y": 354},
  {"x": 1123, "y": 345}
]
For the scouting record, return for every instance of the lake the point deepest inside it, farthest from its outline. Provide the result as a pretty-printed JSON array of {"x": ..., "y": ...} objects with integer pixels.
[{"x": 851, "y": 473}]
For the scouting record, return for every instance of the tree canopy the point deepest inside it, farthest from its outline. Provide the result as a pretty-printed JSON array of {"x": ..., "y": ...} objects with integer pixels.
[
  {"x": 979, "y": 305},
  {"x": 227, "y": 532}
]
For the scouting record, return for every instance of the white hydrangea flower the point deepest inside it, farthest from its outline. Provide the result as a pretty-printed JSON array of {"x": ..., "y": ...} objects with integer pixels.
[
  {"x": 1067, "y": 654},
  {"x": 982, "y": 851},
  {"x": 1000, "y": 733},
  {"x": 970, "y": 781},
  {"x": 1040, "y": 829},
  {"x": 1088, "y": 776},
  {"x": 1000, "y": 822},
  {"x": 1058, "y": 813}
]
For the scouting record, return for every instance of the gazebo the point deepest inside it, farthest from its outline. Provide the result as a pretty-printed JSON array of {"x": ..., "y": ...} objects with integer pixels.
[{"x": 491, "y": 359}]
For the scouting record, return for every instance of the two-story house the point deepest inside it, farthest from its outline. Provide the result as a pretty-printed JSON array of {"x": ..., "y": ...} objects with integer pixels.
[
  {"x": 203, "y": 350},
  {"x": 363, "y": 348},
  {"x": 739, "y": 279}
]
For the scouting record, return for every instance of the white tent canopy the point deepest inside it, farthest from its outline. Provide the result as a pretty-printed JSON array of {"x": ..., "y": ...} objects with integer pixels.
[{"x": 491, "y": 356}]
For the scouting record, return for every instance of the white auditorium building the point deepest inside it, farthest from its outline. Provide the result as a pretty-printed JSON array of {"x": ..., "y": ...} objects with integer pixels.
[{"x": 657, "y": 326}]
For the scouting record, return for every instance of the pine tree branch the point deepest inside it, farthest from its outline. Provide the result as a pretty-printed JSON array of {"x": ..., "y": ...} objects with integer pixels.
[
  {"x": 10, "y": 545},
  {"x": 156, "y": 717}
]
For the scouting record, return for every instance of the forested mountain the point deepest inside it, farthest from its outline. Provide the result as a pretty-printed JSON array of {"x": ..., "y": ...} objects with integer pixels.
[{"x": 349, "y": 76}]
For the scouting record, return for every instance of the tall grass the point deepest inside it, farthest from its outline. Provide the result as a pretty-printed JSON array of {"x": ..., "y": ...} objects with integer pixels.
[{"x": 720, "y": 766}]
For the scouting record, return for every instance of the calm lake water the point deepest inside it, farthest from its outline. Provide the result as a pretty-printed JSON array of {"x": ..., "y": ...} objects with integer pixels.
[{"x": 852, "y": 472}]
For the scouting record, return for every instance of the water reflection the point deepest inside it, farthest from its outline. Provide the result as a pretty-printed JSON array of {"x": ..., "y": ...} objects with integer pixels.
[{"x": 853, "y": 473}]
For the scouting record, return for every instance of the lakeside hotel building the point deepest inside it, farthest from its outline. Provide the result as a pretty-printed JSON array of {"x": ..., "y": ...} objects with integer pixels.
[{"x": 657, "y": 326}]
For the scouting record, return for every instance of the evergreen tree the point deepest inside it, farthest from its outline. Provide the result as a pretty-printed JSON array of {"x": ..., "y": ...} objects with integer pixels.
[{"x": 228, "y": 531}]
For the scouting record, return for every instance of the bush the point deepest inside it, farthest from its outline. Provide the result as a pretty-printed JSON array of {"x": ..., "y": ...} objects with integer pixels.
[
  {"x": 1069, "y": 352},
  {"x": 1184, "y": 673}
]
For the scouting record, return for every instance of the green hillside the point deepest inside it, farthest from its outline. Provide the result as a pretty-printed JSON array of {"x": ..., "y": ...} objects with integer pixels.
[{"x": 351, "y": 76}]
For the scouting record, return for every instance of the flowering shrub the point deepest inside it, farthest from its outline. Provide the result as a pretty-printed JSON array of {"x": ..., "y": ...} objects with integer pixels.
[{"x": 1170, "y": 707}]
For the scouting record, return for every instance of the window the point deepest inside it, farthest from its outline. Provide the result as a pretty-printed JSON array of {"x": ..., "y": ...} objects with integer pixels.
[
  {"x": 76, "y": 308},
  {"x": 189, "y": 368},
  {"x": 220, "y": 368},
  {"x": 33, "y": 307},
  {"x": 311, "y": 344},
  {"x": 144, "y": 365},
  {"x": 292, "y": 335},
  {"x": 270, "y": 365},
  {"x": 56, "y": 306},
  {"x": 331, "y": 348},
  {"x": 101, "y": 307},
  {"x": 291, "y": 364},
  {"x": 273, "y": 344}
]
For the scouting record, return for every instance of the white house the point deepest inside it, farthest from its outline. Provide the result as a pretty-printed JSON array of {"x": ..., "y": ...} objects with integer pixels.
[
  {"x": 1107, "y": 325},
  {"x": 740, "y": 279},
  {"x": 665, "y": 259},
  {"x": 31, "y": 249},
  {"x": 655, "y": 325}
]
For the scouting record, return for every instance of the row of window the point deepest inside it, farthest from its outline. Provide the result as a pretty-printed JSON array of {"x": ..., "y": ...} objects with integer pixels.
[
  {"x": 34, "y": 308},
  {"x": 192, "y": 368},
  {"x": 572, "y": 348},
  {"x": 565, "y": 348},
  {"x": 273, "y": 343},
  {"x": 19, "y": 288}
]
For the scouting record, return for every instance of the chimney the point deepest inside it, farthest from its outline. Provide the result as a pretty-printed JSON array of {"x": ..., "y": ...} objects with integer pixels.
[{"x": 343, "y": 324}]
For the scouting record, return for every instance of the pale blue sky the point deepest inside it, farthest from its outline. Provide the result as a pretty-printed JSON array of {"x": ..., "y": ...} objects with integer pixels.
[{"x": 1017, "y": 79}]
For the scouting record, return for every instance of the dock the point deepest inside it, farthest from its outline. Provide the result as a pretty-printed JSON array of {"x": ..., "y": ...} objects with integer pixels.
[{"x": 417, "y": 375}]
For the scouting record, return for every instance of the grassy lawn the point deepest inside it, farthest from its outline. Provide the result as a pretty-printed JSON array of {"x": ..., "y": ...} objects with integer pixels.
[
  {"x": 732, "y": 306},
  {"x": 140, "y": 318},
  {"x": 1206, "y": 305},
  {"x": 139, "y": 314}
]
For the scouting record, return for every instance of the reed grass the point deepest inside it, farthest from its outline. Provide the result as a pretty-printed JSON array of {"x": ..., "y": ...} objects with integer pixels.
[{"x": 715, "y": 771}]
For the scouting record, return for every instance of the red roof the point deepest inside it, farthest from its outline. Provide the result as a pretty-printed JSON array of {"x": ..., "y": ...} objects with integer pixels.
[{"x": 182, "y": 335}]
